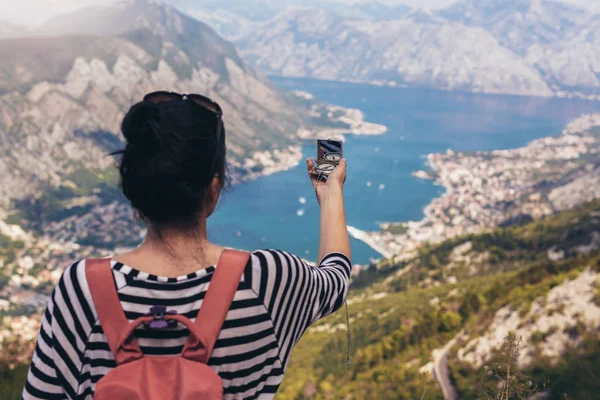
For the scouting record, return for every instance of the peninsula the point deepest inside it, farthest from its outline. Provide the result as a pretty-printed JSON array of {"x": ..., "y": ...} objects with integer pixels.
[{"x": 484, "y": 190}]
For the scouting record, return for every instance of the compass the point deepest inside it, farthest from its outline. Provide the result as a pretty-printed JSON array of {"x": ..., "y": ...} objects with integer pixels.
[
  {"x": 333, "y": 157},
  {"x": 325, "y": 167}
]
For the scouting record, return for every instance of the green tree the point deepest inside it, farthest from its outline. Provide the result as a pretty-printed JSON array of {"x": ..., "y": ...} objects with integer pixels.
[
  {"x": 506, "y": 381},
  {"x": 471, "y": 305},
  {"x": 449, "y": 321}
]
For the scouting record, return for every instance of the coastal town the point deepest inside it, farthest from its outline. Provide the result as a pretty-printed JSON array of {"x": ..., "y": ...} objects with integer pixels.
[{"x": 484, "y": 190}]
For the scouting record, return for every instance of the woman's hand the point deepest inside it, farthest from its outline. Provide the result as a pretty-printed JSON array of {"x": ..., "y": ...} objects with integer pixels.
[{"x": 334, "y": 183}]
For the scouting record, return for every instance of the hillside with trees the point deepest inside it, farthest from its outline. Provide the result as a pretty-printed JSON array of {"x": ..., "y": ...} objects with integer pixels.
[{"x": 402, "y": 314}]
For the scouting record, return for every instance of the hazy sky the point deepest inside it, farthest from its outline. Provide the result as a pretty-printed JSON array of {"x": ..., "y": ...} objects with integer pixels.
[{"x": 30, "y": 12}]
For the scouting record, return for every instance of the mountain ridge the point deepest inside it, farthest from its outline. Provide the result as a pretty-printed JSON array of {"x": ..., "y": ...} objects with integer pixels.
[
  {"x": 519, "y": 24},
  {"x": 526, "y": 47},
  {"x": 62, "y": 99},
  {"x": 404, "y": 52},
  {"x": 153, "y": 16}
]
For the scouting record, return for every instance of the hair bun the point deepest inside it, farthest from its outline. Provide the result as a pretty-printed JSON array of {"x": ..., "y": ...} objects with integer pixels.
[
  {"x": 139, "y": 126},
  {"x": 170, "y": 159}
]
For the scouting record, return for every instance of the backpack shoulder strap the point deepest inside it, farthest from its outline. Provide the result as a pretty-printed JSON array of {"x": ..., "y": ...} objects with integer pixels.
[
  {"x": 221, "y": 291},
  {"x": 102, "y": 286}
]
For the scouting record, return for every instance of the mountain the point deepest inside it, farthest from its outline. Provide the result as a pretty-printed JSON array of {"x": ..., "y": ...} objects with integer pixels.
[
  {"x": 372, "y": 10},
  {"x": 227, "y": 24},
  {"x": 235, "y": 21},
  {"x": 419, "y": 50},
  {"x": 256, "y": 11},
  {"x": 159, "y": 29},
  {"x": 62, "y": 97},
  {"x": 571, "y": 64},
  {"x": 526, "y": 47},
  {"x": 519, "y": 24},
  {"x": 235, "y": 18}
]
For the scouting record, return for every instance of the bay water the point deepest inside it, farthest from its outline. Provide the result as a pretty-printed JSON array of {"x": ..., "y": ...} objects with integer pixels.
[{"x": 280, "y": 211}]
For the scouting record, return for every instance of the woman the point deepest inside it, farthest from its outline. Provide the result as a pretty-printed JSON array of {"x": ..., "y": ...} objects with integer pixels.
[{"x": 172, "y": 170}]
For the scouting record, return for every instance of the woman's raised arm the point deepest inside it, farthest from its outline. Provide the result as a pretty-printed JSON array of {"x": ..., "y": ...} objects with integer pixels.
[{"x": 333, "y": 237}]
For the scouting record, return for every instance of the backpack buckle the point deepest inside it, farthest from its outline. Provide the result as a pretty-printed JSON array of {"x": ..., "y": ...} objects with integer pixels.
[{"x": 159, "y": 321}]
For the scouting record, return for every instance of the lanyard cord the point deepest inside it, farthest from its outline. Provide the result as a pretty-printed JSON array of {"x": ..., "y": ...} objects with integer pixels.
[{"x": 349, "y": 337}]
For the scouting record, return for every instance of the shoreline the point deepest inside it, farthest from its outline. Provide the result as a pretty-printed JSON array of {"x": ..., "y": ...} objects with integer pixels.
[
  {"x": 486, "y": 189},
  {"x": 364, "y": 237},
  {"x": 561, "y": 94},
  {"x": 279, "y": 160}
]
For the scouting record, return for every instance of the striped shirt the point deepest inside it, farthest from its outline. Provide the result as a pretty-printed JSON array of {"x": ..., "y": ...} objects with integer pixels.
[{"x": 278, "y": 298}]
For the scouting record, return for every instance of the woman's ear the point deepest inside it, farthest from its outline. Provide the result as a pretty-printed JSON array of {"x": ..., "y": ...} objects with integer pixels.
[
  {"x": 215, "y": 186},
  {"x": 213, "y": 192}
]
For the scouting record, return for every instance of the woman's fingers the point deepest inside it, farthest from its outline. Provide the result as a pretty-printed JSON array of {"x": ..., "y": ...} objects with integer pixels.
[
  {"x": 339, "y": 173},
  {"x": 312, "y": 174},
  {"x": 341, "y": 168},
  {"x": 310, "y": 165}
]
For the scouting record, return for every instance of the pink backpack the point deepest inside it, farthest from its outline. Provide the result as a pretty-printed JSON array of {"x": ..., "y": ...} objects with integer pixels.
[{"x": 183, "y": 377}]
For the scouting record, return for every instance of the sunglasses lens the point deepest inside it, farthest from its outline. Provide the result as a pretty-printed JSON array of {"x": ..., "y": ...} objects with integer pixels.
[
  {"x": 206, "y": 103},
  {"x": 160, "y": 97}
]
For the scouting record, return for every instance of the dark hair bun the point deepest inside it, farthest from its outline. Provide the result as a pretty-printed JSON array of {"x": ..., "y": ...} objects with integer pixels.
[
  {"x": 140, "y": 124},
  {"x": 170, "y": 158}
]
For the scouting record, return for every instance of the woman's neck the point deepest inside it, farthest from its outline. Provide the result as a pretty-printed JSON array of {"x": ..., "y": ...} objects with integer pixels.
[{"x": 173, "y": 253}]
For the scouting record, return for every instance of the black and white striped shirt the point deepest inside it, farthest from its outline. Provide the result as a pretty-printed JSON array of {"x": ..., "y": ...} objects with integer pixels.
[{"x": 278, "y": 297}]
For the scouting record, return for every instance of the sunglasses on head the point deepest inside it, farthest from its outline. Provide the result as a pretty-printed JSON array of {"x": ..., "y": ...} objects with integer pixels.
[{"x": 202, "y": 101}]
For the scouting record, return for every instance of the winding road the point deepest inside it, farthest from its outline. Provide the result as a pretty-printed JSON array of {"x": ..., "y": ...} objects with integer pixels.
[{"x": 440, "y": 369}]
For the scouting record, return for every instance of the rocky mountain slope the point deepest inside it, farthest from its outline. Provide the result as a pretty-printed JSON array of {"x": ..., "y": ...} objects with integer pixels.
[
  {"x": 236, "y": 20},
  {"x": 410, "y": 51},
  {"x": 532, "y": 47},
  {"x": 572, "y": 63},
  {"x": 63, "y": 95},
  {"x": 519, "y": 24}
]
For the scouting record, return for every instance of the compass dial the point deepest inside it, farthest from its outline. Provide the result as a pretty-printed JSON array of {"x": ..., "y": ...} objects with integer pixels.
[
  {"x": 333, "y": 156},
  {"x": 326, "y": 167}
]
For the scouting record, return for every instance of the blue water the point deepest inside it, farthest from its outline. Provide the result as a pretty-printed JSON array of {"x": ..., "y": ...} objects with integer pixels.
[{"x": 263, "y": 213}]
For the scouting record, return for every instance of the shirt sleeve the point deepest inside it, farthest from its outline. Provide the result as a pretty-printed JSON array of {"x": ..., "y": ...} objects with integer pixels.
[
  {"x": 297, "y": 294},
  {"x": 42, "y": 378},
  {"x": 58, "y": 356}
]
